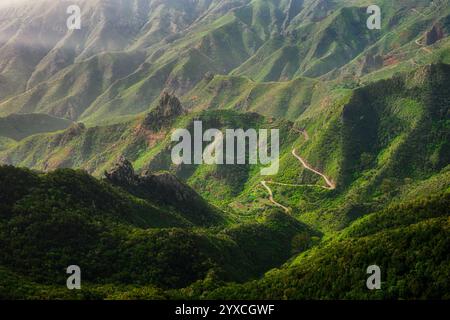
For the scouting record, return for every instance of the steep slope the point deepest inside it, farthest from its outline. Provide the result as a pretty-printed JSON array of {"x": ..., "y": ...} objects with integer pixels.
[
  {"x": 6, "y": 143},
  {"x": 362, "y": 141},
  {"x": 287, "y": 99},
  {"x": 359, "y": 138},
  {"x": 337, "y": 269},
  {"x": 101, "y": 73},
  {"x": 36, "y": 44},
  {"x": 146, "y": 142},
  {"x": 59, "y": 57},
  {"x": 364, "y": 165},
  {"x": 167, "y": 190},
  {"x": 50, "y": 221},
  {"x": 76, "y": 189}
]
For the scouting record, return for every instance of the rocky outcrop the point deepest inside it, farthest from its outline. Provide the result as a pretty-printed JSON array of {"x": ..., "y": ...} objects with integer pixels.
[
  {"x": 164, "y": 189},
  {"x": 434, "y": 35},
  {"x": 167, "y": 110},
  {"x": 162, "y": 186},
  {"x": 122, "y": 173}
]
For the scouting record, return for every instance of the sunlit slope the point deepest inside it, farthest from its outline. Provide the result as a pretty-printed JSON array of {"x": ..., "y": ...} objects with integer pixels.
[
  {"x": 363, "y": 143},
  {"x": 337, "y": 269},
  {"x": 361, "y": 139},
  {"x": 88, "y": 76}
]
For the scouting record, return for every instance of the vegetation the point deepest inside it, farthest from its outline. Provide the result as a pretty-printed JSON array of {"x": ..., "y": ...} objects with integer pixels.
[
  {"x": 85, "y": 146},
  {"x": 66, "y": 217}
]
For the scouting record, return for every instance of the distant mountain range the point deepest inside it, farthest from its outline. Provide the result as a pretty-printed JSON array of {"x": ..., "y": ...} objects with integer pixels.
[{"x": 127, "y": 52}]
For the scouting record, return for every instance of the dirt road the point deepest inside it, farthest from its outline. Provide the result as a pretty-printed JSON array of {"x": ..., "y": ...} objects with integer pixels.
[{"x": 330, "y": 184}]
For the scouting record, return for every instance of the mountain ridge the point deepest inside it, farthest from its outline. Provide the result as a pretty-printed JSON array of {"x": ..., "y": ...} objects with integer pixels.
[{"x": 364, "y": 154}]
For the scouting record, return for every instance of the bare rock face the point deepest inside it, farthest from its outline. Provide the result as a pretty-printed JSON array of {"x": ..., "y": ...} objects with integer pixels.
[
  {"x": 122, "y": 173},
  {"x": 167, "y": 110},
  {"x": 434, "y": 35}
]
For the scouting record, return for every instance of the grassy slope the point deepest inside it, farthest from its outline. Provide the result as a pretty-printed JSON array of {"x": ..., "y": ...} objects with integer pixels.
[
  {"x": 96, "y": 149},
  {"x": 358, "y": 138},
  {"x": 20, "y": 126},
  {"x": 6, "y": 143},
  {"x": 262, "y": 40},
  {"x": 277, "y": 99},
  {"x": 362, "y": 141}
]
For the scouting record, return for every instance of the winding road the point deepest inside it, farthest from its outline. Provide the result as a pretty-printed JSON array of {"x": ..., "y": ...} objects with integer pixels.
[
  {"x": 330, "y": 184},
  {"x": 269, "y": 191}
]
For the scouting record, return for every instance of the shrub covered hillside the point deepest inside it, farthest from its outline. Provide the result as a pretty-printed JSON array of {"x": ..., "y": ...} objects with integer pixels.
[
  {"x": 409, "y": 242},
  {"x": 50, "y": 221},
  {"x": 87, "y": 175}
]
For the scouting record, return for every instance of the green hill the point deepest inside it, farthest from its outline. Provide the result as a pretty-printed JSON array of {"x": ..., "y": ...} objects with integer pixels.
[
  {"x": 411, "y": 268},
  {"x": 148, "y": 147},
  {"x": 20, "y": 126},
  {"x": 364, "y": 163},
  {"x": 50, "y": 221},
  {"x": 103, "y": 74},
  {"x": 363, "y": 145}
]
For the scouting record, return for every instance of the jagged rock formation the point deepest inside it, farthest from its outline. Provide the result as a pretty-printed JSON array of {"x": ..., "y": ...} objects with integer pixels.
[
  {"x": 165, "y": 189},
  {"x": 122, "y": 172},
  {"x": 434, "y": 35},
  {"x": 168, "y": 108},
  {"x": 169, "y": 186}
]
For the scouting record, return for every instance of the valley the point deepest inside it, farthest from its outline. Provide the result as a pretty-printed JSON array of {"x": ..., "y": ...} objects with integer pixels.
[
  {"x": 362, "y": 149},
  {"x": 330, "y": 184}
]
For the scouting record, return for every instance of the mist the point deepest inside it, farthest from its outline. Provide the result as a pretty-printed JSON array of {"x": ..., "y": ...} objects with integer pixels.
[{"x": 8, "y": 3}]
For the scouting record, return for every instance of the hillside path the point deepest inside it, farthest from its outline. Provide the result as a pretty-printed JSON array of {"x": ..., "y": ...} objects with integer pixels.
[
  {"x": 330, "y": 184},
  {"x": 271, "y": 199}
]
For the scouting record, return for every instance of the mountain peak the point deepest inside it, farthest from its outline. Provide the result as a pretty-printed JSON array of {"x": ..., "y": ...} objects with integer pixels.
[{"x": 169, "y": 107}]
